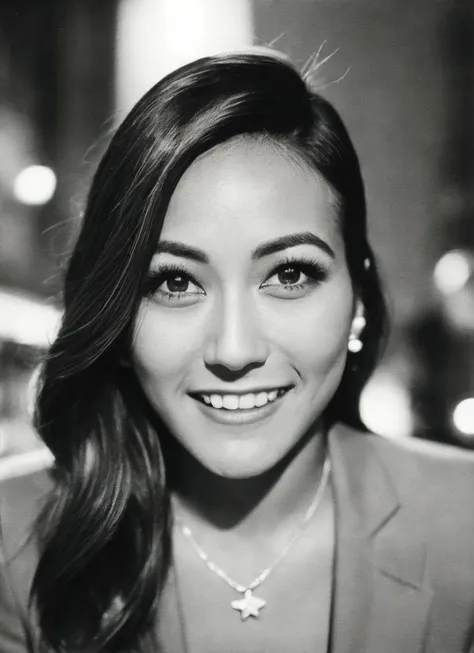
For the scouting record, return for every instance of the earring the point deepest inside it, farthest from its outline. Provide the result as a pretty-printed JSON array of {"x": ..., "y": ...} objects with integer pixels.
[{"x": 355, "y": 343}]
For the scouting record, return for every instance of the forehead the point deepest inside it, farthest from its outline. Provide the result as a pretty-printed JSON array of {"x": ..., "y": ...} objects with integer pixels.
[{"x": 246, "y": 191}]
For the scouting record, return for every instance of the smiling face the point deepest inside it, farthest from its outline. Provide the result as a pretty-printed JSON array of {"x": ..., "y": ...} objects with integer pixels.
[{"x": 242, "y": 340}]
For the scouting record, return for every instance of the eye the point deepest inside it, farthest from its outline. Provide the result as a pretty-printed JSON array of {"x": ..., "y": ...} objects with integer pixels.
[
  {"x": 176, "y": 283},
  {"x": 172, "y": 284},
  {"x": 289, "y": 275},
  {"x": 297, "y": 277}
]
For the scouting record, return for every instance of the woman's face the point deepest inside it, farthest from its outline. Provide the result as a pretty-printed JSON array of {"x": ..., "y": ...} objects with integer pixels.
[{"x": 242, "y": 340}]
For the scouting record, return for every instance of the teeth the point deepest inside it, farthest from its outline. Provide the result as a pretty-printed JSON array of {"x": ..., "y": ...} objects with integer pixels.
[
  {"x": 216, "y": 401},
  {"x": 246, "y": 401},
  {"x": 231, "y": 402},
  {"x": 261, "y": 399},
  {"x": 242, "y": 402}
]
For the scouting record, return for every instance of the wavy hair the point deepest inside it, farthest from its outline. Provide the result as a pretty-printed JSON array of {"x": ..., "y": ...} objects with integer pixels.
[{"x": 104, "y": 532}]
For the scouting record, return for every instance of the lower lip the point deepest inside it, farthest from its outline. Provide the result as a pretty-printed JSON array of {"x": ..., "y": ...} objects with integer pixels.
[{"x": 249, "y": 416}]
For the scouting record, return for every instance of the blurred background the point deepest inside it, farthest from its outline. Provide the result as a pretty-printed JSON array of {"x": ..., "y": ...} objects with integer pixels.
[{"x": 400, "y": 73}]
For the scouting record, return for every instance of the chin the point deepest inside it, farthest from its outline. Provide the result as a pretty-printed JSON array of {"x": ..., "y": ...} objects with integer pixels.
[
  {"x": 233, "y": 472},
  {"x": 239, "y": 464},
  {"x": 237, "y": 472}
]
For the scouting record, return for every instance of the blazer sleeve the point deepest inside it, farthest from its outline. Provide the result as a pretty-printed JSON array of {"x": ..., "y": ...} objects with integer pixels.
[
  {"x": 19, "y": 501},
  {"x": 13, "y": 634}
]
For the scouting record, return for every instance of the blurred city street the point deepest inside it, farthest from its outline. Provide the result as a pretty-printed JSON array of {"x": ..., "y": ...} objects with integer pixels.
[{"x": 400, "y": 74}]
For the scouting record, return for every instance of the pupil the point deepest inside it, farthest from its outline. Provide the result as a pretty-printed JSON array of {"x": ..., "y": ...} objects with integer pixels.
[
  {"x": 289, "y": 276},
  {"x": 178, "y": 283}
]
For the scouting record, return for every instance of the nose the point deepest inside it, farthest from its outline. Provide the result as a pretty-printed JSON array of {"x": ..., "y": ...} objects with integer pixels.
[{"x": 237, "y": 342}]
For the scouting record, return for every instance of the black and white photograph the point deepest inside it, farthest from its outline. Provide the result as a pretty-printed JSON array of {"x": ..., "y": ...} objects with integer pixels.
[{"x": 237, "y": 326}]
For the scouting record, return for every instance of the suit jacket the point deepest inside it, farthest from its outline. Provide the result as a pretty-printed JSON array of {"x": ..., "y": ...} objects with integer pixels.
[{"x": 404, "y": 576}]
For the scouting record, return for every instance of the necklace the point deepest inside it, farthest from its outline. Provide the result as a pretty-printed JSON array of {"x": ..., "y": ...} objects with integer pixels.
[{"x": 250, "y": 605}]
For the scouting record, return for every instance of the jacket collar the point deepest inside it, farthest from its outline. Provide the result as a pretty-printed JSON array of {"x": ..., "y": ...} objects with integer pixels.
[{"x": 381, "y": 601}]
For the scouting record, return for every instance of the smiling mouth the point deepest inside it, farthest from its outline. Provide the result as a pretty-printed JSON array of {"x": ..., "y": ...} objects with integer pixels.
[{"x": 243, "y": 402}]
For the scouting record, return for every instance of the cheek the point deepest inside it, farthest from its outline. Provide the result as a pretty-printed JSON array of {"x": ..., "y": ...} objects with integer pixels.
[
  {"x": 315, "y": 334},
  {"x": 163, "y": 348}
]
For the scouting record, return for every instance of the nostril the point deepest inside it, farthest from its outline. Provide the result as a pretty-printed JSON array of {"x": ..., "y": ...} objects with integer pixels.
[{"x": 230, "y": 374}]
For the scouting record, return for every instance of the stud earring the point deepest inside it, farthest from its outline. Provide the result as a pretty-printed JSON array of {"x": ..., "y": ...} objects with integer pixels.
[{"x": 355, "y": 343}]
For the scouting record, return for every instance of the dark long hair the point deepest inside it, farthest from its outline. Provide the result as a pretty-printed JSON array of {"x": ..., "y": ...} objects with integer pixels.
[{"x": 104, "y": 532}]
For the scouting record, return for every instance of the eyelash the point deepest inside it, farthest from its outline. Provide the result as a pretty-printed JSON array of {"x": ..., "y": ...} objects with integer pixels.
[
  {"x": 156, "y": 277},
  {"x": 315, "y": 272}
]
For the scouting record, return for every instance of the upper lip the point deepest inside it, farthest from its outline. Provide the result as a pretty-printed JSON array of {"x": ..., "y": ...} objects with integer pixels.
[{"x": 243, "y": 391}]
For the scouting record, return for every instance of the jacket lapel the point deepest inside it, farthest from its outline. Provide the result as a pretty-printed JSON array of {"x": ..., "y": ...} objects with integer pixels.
[{"x": 380, "y": 600}]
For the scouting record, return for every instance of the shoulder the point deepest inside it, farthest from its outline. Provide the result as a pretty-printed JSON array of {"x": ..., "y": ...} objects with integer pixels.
[
  {"x": 423, "y": 460},
  {"x": 435, "y": 481},
  {"x": 404, "y": 454},
  {"x": 21, "y": 498},
  {"x": 424, "y": 450},
  {"x": 25, "y": 481},
  {"x": 24, "y": 484}
]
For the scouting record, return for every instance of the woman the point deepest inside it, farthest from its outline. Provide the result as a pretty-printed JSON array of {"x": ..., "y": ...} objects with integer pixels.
[{"x": 211, "y": 490}]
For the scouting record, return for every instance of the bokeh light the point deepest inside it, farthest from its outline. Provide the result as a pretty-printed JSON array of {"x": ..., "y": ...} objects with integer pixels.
[
  {"x": 3, "y": 441},
  {"x": 27, "y": 321},
  {"x": 463, "y": 416},
  {"x": 385, "y": 406},
  {"x": 35, "y": 185},
  {"x": 452, "y": 271},
  {"x": 154, "y": 38}
]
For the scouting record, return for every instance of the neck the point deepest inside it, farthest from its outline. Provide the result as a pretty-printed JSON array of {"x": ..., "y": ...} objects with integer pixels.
[{"x": 256, "y": 506}]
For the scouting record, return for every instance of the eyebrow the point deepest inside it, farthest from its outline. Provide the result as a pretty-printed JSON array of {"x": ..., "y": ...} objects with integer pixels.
[
  {"x": 184, "y": 251},
  {"x": 271, "y": 247},
  {"x": 292, "y": 240}
]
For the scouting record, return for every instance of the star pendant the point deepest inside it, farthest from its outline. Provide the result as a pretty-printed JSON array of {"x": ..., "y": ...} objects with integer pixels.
[{"x": 249, "y": 605}]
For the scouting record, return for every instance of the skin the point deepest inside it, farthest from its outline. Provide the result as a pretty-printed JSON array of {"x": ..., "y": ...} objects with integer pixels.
[
  {"x": 243, "y": 488},
  {"x": 238, "y": 327}
]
